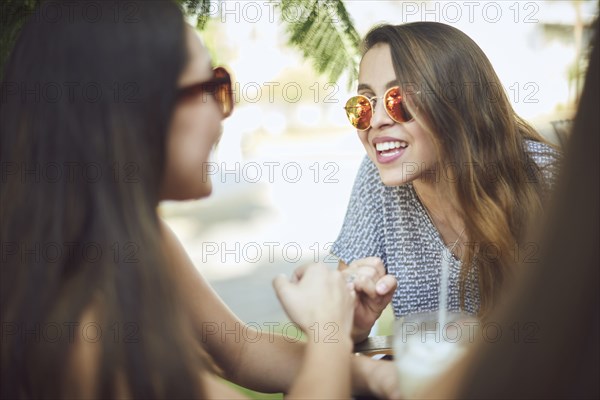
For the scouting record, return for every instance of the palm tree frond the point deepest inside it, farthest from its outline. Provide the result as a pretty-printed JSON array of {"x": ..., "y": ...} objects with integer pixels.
[
  {"x": 198, "y": 8},
  {"x": 324, "y": 32}
]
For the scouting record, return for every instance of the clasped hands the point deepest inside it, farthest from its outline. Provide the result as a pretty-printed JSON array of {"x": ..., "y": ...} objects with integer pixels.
[
  {"x": 354, "y": 297},
  {"x": 373, "y": 290}
]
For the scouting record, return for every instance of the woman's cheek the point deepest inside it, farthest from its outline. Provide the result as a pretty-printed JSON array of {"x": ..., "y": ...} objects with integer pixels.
[
  {"x": 194, "y": 167},
  {"x": 188, "y": 171},
  {"x": 195, "y": 130}
]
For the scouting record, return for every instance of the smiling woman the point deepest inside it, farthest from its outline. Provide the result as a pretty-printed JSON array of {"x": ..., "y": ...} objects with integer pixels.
[
  {"x": 377, "y": 75},
  {"x": 449, "y": 167}
]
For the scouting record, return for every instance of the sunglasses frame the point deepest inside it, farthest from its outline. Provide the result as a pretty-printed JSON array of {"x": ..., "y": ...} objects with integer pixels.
[
  {"x": 219, "y": 86},
  {"x": 370, "y": 100}
]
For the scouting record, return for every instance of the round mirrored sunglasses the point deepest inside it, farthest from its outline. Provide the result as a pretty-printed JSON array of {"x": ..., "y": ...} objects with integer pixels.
[{"x": 359, "y": 108}]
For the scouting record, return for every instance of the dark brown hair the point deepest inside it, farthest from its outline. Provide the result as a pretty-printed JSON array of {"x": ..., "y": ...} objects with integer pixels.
[{"x": 83, "y": 127}]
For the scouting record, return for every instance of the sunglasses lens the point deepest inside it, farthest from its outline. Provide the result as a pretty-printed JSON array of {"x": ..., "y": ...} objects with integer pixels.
[
  {"x": 395, "y": 106},
  {"x": 223, "y": 92},
  {"x": 359, "y": 112}
]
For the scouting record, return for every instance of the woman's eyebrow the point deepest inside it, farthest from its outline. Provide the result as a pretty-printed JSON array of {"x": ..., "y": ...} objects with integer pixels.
[
  {"x": 364, "y": 86},
  {"x": 391, "y": 84}
]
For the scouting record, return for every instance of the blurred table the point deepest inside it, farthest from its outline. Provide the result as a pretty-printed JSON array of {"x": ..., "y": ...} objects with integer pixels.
[{"x": 375, "y": 345}]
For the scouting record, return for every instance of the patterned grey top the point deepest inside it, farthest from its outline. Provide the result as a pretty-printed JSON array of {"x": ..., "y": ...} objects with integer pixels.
[{"x": 391, "y": 223}]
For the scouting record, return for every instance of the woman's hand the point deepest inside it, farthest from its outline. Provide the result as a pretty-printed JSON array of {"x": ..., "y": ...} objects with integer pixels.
[
  {"x": 319, "y": 296},
  {"x": 374, "y": 290},
  {"x": 375, "y": 378},
  {"x": 321, "y": 302}
]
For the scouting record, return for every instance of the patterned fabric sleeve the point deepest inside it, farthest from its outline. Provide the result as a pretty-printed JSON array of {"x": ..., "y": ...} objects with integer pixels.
[
  {"x": 362, "y": 231},
  {"x": 547, "y": 160}
]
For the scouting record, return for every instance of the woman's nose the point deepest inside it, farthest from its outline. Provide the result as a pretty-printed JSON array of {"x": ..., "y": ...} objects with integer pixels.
[{"x": 380, "y": 117}]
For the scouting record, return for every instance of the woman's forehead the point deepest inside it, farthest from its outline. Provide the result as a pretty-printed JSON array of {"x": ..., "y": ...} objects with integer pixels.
[
  {"x": 199, "y": 65},
  {"x": 376, "y": 70}
]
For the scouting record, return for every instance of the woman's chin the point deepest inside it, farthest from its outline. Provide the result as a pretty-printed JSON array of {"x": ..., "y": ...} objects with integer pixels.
[
  {"x": 391, "y": 178},
  {"x": 199, "y": 193},
  {"x": 188, "y": 193},
  {"x": 205, "y": 192}
]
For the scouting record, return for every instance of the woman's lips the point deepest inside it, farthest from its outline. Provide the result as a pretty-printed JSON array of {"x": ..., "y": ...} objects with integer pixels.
[
  {"x": 388, "y": 156},
  {"x": 389, "y": 149}
]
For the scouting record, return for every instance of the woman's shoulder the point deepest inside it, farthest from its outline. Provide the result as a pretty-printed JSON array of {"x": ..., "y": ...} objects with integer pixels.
[
  {"x": 547, "y": 159},
  {"x": 542, "y": 153},
  {"x": 83, "y": 361}
]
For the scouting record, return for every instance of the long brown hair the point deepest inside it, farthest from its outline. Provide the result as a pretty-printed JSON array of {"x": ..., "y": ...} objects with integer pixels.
[
  {"x": 551, "y": 318},
  {"x": 485, "y": 168},
  {"x": 83, "y": 126}
]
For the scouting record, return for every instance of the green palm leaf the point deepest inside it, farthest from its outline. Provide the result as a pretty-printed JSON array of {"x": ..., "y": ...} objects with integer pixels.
[
  {"x": 199, "y": 8},
  {"x": 321, "y": 29},
  {"x": 325, "y": 34}
]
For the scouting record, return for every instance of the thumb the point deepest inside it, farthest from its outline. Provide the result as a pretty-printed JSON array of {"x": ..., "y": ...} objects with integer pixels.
[
  {"x": 299, "y": 273},
  {"x": 386, "y": 285},
  {"x": 280, "y": 284}
]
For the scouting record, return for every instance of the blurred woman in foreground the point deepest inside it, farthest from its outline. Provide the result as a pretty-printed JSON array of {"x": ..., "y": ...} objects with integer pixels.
[{"x": 100, "y": 120}]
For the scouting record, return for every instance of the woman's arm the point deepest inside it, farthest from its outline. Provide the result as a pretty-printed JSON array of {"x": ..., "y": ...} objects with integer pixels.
[
  {"x": 272, "y": 363},
  {"x": 325, "y": 371},
  {"x": 268, "y": 364},
  {"x": 321, "y": 303},
  {"x": 214, "y": 388}
]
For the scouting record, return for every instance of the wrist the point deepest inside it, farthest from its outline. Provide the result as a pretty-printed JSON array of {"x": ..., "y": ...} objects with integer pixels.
[
  {"x": 360, "y": 369},
  {"x": 327, "y": 332},
  {"x": 360, "y": 335},
  {"x": 332, "y": 340}
]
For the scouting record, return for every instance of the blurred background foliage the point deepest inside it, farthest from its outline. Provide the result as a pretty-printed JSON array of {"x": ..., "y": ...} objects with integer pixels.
[{"x": 321, "y": 30}]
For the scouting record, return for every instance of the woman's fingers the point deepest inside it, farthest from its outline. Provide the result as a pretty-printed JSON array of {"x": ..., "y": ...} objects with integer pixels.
[
  {"x": 281, "y": 285},
  {"x": 370, "y": 281},
  {"x": 317, "y": 294},
  {"x": 299, "y": 272},
  {"x": 366, "y": 285},
  {"x": 386, "y": 285},
  {"x": 375, "y": 263}
]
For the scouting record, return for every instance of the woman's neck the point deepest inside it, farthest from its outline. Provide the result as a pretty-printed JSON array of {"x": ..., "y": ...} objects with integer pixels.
[{"x": 438, "y": 205}]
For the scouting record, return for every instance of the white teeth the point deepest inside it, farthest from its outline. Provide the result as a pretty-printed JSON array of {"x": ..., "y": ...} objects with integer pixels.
[{"x": 383, "y": 146}]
